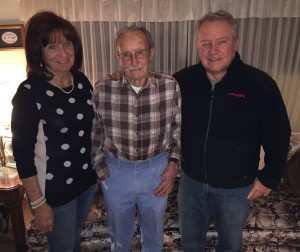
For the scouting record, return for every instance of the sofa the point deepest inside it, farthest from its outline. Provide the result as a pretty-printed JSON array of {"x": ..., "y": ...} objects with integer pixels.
[{"x": 273, "y": 223}]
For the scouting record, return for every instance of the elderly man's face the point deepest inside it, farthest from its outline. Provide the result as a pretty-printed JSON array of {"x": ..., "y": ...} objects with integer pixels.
[
  {"x": 134, "y": 57},
  {"x": 216, "y": 47}
]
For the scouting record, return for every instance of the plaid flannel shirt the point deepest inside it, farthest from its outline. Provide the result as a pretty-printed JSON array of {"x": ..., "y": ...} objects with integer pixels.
[{"x": 131, "y": 126}]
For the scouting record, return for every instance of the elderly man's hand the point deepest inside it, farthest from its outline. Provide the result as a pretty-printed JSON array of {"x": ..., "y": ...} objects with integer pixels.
[
  {"x": 115, "y": 75},
  {"x": 167, "y": 183}
]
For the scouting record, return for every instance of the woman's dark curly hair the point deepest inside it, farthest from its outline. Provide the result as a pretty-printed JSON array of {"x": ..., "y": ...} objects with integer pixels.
[{"x": 41, "y": 29}]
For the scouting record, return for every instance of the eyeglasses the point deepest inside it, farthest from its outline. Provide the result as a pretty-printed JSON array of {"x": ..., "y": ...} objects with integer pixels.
[{"x": 139, "y": 54}]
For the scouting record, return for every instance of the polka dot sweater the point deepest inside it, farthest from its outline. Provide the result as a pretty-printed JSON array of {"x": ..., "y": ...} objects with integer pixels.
[{"x": 52, "y": 137}]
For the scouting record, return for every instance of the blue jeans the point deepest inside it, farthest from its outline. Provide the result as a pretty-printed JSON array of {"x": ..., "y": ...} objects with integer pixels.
[
  {"x": 68, "y": 223},
  {"x": 199, "y": 202},
  {"x": 130, "y": 190}
]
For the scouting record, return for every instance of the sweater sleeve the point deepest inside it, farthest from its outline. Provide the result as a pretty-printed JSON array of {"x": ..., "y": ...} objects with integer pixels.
[
  {"x": 24, "y": 126},
  {"x": 275, "y": 136},
  {"x": 97, "y": 152}
]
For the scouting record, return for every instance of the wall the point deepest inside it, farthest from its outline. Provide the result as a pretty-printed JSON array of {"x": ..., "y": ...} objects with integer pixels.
[
  {"x": 9, "y": 12},
  {"x": 12, "y": 62},
  {"x": 12, "y": 73}
]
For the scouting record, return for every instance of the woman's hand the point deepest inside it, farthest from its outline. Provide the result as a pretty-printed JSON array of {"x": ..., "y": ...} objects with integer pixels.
[
  {"x": 44, "y": 220},
  {"x": 43, "y": 213}
]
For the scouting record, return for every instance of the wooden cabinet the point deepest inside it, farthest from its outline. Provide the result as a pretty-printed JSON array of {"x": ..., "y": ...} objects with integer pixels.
[{"x": 11, "y": 195}]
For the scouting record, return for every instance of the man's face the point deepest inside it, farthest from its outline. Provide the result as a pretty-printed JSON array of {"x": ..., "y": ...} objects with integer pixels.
[
  {"x": 216, "y": 47},
  {"x": 134, "y": 57}
]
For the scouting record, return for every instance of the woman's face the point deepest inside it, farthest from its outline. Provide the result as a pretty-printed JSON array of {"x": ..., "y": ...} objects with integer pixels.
[{"x": 59, "y": 55}]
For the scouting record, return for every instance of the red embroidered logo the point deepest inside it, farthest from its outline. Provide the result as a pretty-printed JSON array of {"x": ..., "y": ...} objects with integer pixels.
[{"x": 237, "y": 95}]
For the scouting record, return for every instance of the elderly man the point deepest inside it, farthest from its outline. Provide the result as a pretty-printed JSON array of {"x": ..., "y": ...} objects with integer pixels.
[
  {"x": 136, "y": 142},
  {"x": 229, "y": 110}
]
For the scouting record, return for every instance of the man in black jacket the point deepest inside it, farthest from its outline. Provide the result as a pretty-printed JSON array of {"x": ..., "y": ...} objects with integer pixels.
[{"x": 229, "y": 110}]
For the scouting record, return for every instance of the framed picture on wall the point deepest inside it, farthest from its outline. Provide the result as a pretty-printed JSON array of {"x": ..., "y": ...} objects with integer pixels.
[{"x": 11, "y": 36}]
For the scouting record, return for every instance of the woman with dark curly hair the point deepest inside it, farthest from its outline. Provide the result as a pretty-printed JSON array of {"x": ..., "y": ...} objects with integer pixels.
[{"x": 51, "y": 127}]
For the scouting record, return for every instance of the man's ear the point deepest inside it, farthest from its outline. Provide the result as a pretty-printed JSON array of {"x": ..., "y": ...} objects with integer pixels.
[
  {"x": 236, "y": 43},
  {"x": 151, "y": 54}
]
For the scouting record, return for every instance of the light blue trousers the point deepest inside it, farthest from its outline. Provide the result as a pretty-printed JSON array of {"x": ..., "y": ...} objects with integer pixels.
[{"x": 129, "y": 191}]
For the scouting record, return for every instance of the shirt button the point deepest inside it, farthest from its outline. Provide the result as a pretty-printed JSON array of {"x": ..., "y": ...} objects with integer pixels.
[{"x": 136, "y": 150}]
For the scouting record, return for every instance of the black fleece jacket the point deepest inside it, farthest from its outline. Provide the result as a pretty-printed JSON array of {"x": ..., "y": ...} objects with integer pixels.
[{"x": 223, "y": 127}]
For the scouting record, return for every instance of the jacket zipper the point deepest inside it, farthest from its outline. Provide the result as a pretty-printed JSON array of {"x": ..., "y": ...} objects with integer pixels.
[{"x": 207, "y": 131}]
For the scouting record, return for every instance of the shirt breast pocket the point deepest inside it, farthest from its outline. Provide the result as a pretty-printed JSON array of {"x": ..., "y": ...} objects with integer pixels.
[{"x": 162, "y": 115}]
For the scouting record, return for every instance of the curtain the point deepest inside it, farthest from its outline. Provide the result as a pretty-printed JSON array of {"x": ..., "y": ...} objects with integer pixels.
[
  {"x": 269, "y": 34},
  {"x": 158, "y": 10}
]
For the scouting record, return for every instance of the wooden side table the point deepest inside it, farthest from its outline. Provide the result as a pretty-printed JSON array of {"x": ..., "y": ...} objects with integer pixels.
[{"x": 11, "y": 195}]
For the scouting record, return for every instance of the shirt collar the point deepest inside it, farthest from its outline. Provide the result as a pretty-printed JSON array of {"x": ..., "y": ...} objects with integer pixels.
[{"x": 152, "y": 81}]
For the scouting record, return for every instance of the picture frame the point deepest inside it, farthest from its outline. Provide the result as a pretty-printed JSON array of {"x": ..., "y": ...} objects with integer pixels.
[{"x": 11, "y": 36}]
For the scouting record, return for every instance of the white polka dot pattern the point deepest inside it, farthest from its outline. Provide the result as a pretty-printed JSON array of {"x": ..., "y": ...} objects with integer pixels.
[
  {"x": 65, "y": 146},
  {"x": 59, "y": 111},
  {"x": 72, "y": 100},
  {"x": 49, "y": 93},
  {"x": 64, "y": 130},
  {"x": 67, "y": 164},
  {"x": 69, "y": 181},
  {"x": 28, "y": 86},
  {"x": 64, "y": 136},
  {"x": 49, "y": 176}
]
